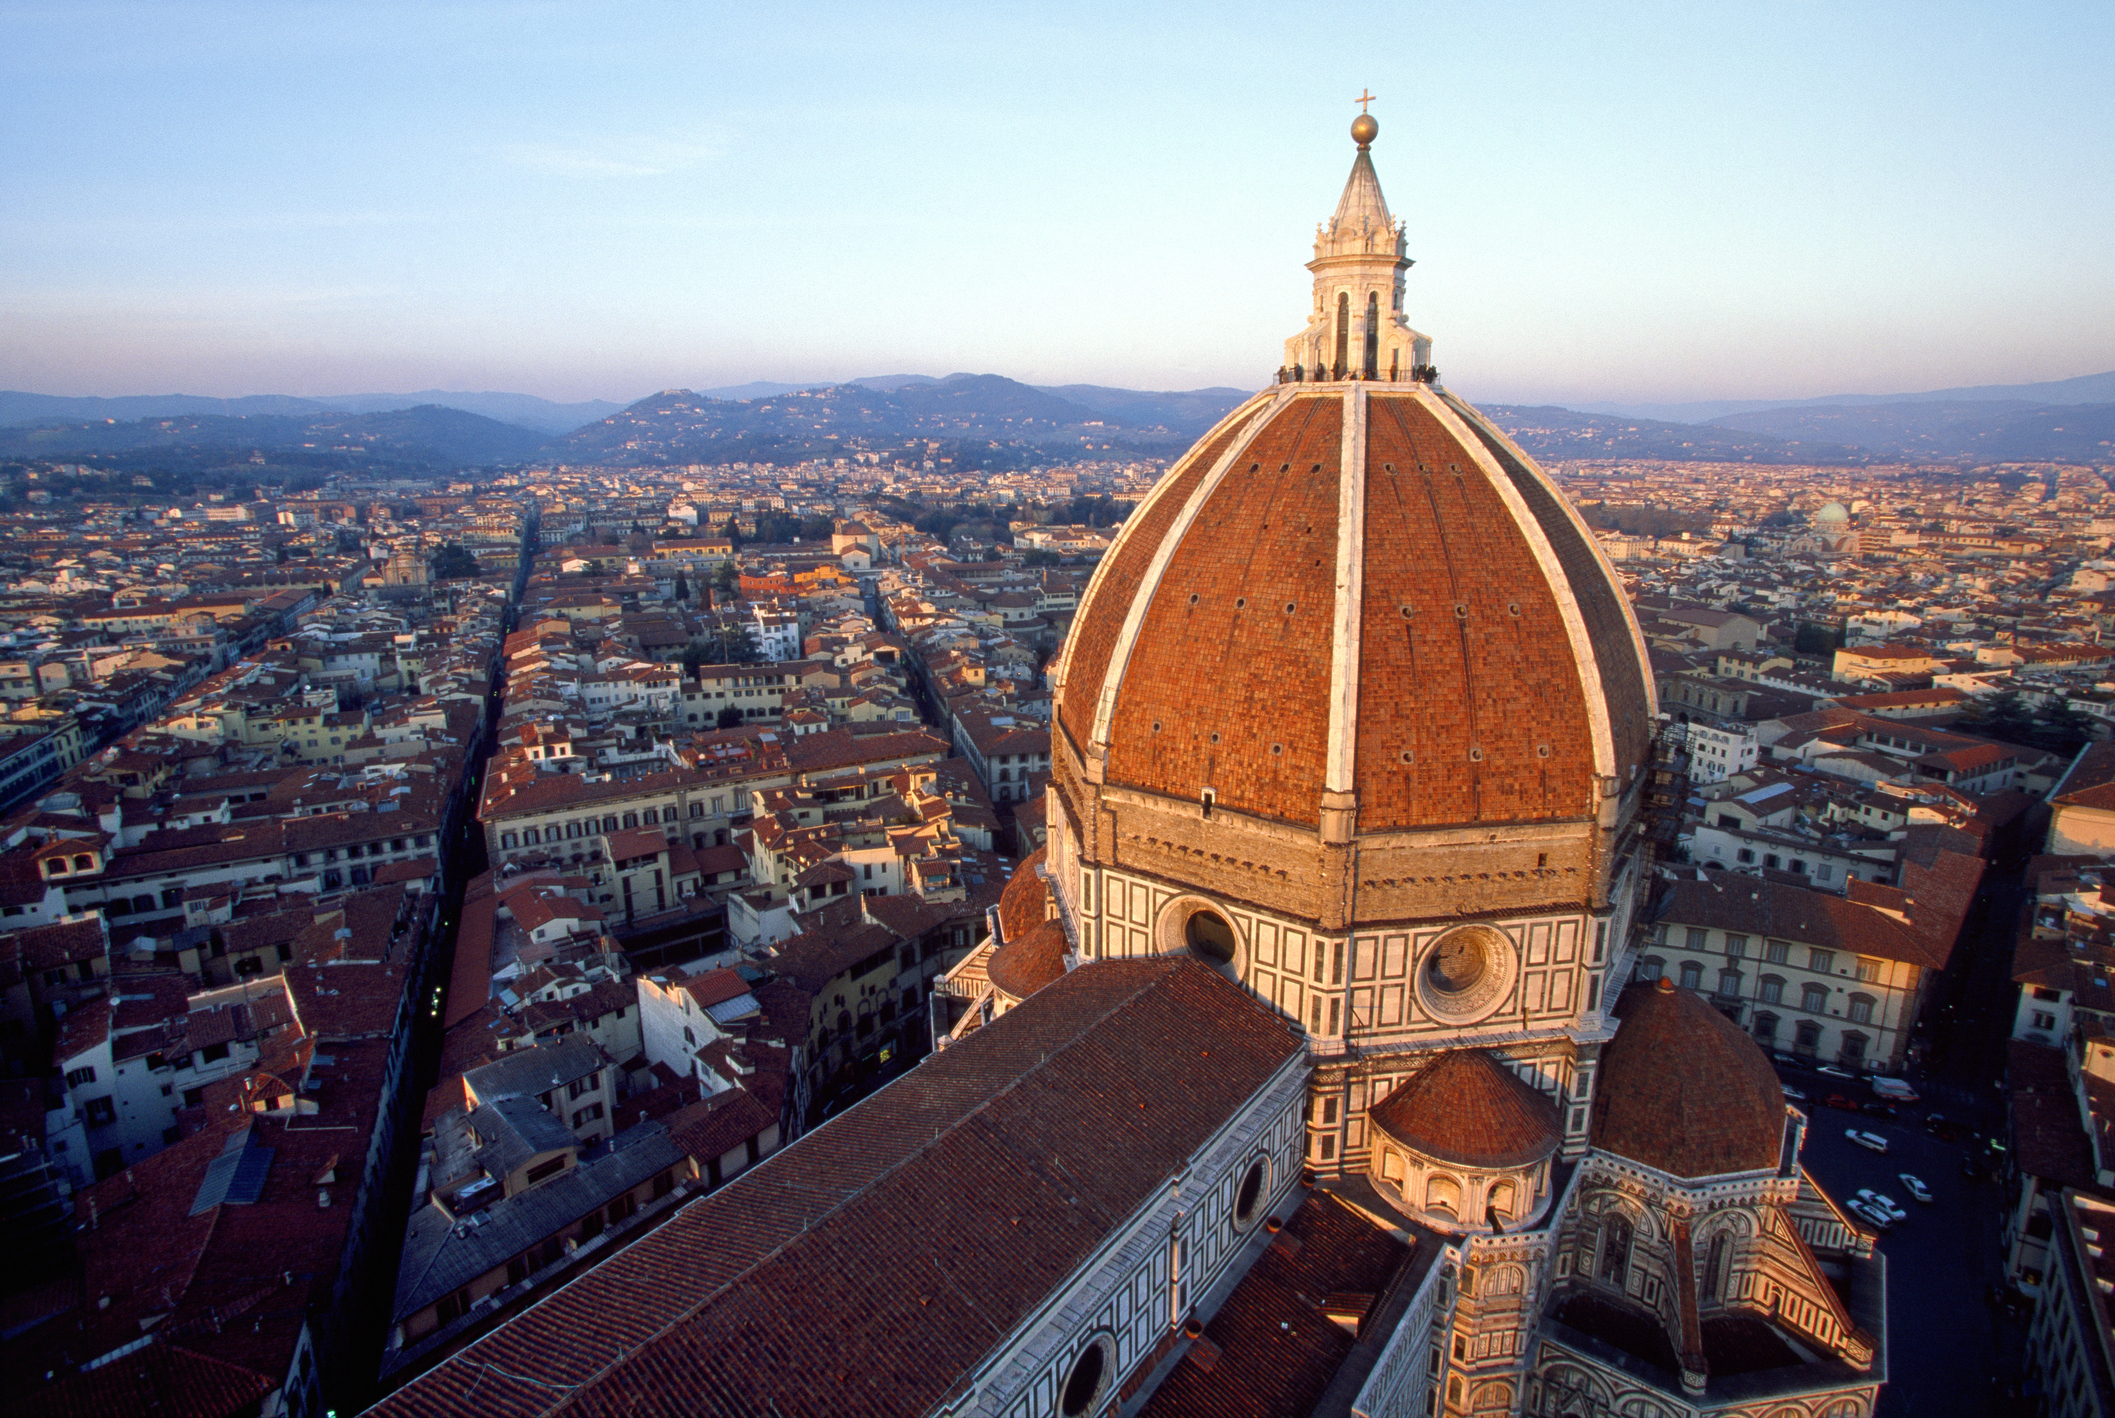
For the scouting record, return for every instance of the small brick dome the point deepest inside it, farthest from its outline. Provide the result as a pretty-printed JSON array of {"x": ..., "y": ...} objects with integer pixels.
[
  {"x": 1025, "y": 964},
  {"x": 1469, "y": 1110},
  {"x": 1021, "y": 904},
  {"x": 1685, "y": 1090}
]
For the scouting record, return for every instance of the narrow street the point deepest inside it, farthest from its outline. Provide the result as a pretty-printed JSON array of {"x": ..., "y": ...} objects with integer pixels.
[{"x": 1949, "y": 1351}]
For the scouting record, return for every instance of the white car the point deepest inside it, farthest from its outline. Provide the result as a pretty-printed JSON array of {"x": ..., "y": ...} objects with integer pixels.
[
  {"x": 1795, "y": 1095},
  {"x": 1883, "y": 1203},
  {"x": 1870, "y": 1141},
  {"x": 1914, "y": 1187},
  {"x": 1834, "y": 1072},
  {"x": 1870, "y": 1215}
]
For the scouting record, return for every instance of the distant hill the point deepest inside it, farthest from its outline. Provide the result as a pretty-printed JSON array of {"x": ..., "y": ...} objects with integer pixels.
[
  {"x": 2085, "y": 389},
  {"x": 1191, "y": 412},
  {"x": 20, "y": 408},
  {"x": 1549, "y": 432},
  {"x": 985, "y": 420},
  {"x": 1995, "y": 431},
  {"x": 526, "y": 410},
  {"x": 427, "y": 436}
]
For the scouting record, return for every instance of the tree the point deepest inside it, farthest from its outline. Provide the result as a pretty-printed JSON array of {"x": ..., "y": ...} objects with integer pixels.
[
  {"x": 682, "y": 587},
  {"x": 452, "y": 563},
  {"x": 738, "y": 647},
  {"x": 727, "y": 577},
  {"x": 2061, "y": 728},
  {"x": 775, "y": 527},
  {"x": 2002, "y": 716},
  {"x": 1039, "y": 556},
  {"x": 1812, "y": 639},
  {"x": 730, "y": 717},
  {"x": 723, "y": 645},
  {"x": 938, "y": 525}
]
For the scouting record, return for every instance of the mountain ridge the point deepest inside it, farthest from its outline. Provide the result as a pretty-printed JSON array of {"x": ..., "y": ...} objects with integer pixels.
[
  {"x": 989, "y": 421},
  {"x": 2081, "y": 389}
]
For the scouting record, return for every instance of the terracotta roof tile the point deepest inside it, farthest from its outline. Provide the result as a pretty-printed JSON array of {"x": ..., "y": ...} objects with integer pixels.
[
  {"x": 1021, "y": 905},
  {"x": 1469, "y": 1109},
  {"x": 1028, "y": 962},
  {"x": 1684, "y": 1090},
  {"x": 888, "y": 1219},
  {"x": 1277, "y": 1349}
]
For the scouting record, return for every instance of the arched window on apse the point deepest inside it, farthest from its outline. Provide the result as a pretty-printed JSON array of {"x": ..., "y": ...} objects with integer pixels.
[{"x": 1615, "y": 1249}]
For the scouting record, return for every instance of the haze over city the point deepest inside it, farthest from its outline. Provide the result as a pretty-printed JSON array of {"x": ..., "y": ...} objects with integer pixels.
[{"x": 1645, "y": 203}]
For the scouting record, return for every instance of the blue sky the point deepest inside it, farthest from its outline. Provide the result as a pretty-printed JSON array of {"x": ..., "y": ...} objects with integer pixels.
[{"x": 1606, "y": 202}]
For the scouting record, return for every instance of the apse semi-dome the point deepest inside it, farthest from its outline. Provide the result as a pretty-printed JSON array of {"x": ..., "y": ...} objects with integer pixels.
[
  {"x": 1465, "y": 1144},
  {"x": 1468, "y": 1109},
  {"x": 1355, "y": 610},
  {"x": 1685, "y": 1090}
]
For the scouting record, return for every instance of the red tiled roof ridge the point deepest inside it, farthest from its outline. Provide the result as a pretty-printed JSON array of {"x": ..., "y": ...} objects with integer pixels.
[{"x": 427, "y": 1393}]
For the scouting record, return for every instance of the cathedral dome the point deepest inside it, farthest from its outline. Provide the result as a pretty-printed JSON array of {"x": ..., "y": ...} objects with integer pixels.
[
  {"x": 1362, "y": 589},
  {"x": 1355, "y": 611},
  {"x": 1683, "y": 1089},
  {"x": 1832, "y": 513},
  {"x": 1468, "y": 1109}
]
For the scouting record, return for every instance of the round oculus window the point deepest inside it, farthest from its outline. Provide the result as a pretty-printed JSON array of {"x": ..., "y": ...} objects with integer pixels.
[
  {"x": 1466, "y": 973},
  {"x": 1206, "y": 933},
  {"x": 1249, "y": 1194},
  {"x": 1084, "y": 1384},
  {"x": 1458, "y": 962}
]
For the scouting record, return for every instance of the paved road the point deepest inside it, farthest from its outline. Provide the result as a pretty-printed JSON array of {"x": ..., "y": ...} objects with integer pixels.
[
  {"x": 1949, "y": 1352},
  {"x": 1944, "y": 1347}
]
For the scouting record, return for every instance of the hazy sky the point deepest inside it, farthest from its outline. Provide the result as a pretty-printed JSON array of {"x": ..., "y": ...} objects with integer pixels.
[{"x": 1674, "y": 201}]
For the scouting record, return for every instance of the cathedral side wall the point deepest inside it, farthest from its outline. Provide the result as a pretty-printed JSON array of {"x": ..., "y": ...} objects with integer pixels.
[{"x": 1157, "y": 1267}]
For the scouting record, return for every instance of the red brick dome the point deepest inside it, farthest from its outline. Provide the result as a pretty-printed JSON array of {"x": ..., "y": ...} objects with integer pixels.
[
  {"x": 1021, "y": 904},
  {"x": 1685, "y": 1090},
  {"x": 1469, "y": 1110},
  {"x": 1361, "y": 592},
  {"x": 1028, "y": 962}
]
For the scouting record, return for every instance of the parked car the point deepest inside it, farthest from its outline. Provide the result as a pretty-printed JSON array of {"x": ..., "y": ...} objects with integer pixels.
[
  {"x": 1789, "y": 1061},
  {"x": 1871, "y": 1216},
  {"x": 1794, "y": 1094},
  {"x": 1914, "y": 1187},
  {"x": 1946, "y": 1129},
  {"x": 1894, "y": 1090},
  {"x": 1837, "y": 1100},
  {"x": 1881, "y": 1202},
  {"x": 1834, "y": 1072},
  {"x": 1870, "y": 1141},
  {"x": 1877, "y": 1110}
]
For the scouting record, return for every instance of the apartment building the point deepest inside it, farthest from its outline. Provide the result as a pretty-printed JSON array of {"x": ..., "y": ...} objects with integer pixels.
[{"x": 1821, "y": 976}]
